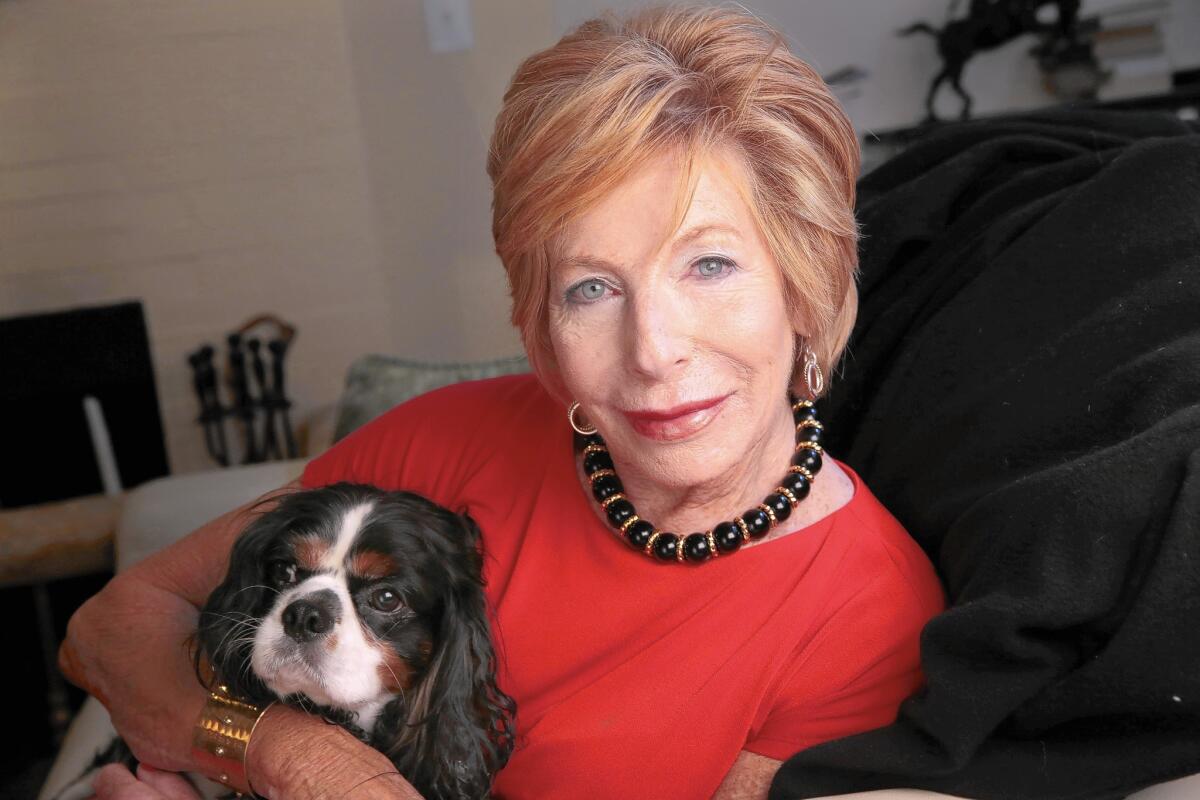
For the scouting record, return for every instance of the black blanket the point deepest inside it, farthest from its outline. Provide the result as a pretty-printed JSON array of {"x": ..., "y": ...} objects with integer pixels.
[{"x": 1023, "y": 392}]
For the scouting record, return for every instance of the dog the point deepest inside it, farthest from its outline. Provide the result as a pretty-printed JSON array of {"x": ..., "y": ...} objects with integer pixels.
[{"x": 367, "y": 608}]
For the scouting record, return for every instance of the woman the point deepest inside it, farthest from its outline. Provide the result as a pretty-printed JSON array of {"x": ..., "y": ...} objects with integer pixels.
[{"x": 674, "y": 207}]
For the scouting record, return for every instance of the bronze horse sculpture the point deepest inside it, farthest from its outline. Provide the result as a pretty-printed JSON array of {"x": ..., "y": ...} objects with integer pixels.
[{"x": 988, "y": 25}]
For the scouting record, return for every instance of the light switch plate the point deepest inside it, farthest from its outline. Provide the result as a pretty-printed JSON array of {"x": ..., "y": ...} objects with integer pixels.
[{"x": 448, "y": 25}]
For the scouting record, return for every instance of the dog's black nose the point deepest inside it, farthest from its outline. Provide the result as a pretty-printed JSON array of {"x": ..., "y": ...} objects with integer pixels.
[{"x": 312, "y": 616}]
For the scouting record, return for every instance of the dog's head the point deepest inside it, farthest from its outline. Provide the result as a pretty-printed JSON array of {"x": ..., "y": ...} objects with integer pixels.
[{"x": 367, "y": 606}]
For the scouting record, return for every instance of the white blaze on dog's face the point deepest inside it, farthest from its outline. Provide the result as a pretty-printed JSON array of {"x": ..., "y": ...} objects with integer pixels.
[{"x": 325, "y": 636}]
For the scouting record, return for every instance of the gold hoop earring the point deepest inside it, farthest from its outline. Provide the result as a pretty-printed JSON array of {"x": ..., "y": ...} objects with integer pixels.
[
  {"x": 571, "y": 418},
  {"x": 811, "y": 369}
]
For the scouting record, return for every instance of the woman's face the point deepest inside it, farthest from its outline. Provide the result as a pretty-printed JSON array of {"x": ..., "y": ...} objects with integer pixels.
[{"x": 675, "y": 342}]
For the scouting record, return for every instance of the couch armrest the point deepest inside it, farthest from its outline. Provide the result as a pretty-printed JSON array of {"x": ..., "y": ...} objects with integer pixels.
[{"x": 162, "y": 511}]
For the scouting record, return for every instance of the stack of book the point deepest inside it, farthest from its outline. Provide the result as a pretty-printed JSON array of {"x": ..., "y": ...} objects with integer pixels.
[{"x": 1128, "y": 43}]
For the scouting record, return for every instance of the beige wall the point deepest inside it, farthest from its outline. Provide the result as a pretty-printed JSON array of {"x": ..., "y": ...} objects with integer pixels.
[
  {"x": 218, "y": 158},
  {"x": 427, "y": 119}
]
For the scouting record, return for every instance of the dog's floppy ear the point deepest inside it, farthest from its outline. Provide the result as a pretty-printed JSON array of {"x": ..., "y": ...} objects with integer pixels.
[
  {"x": 230, "y": 617},
  {"x": 459, "y": 727}
]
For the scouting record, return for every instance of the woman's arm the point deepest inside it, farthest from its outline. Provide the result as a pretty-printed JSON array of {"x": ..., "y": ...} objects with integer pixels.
[
  {"x": 127, "y": 646},
  {"x": 749, "y": 778}
]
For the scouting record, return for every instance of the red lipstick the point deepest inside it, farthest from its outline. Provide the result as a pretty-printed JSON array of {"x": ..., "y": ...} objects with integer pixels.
[{"x": 673, "y": 424}]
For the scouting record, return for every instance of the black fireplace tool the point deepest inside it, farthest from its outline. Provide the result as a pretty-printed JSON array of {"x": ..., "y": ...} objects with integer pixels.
[{"x": 260, "y": 406}]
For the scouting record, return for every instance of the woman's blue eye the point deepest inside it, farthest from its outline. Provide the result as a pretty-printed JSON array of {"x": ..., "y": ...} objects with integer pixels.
[
  {"x": 713, "y": 267},
  {"x": 588, "y": 290}
]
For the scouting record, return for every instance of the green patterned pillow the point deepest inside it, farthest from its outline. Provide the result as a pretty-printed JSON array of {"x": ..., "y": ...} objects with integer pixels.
[{"x": 376, "y": 383}]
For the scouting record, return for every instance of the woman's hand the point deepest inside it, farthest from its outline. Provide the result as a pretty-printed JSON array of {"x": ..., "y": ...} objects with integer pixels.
[
  {"x": 115, "y": 782},
  {"x": 128, "y": 646}
]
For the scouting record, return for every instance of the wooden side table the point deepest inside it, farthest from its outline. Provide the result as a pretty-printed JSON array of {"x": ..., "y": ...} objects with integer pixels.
[
  {"x": 57, "y": 540},
  {"x": 51, "y": 541}
]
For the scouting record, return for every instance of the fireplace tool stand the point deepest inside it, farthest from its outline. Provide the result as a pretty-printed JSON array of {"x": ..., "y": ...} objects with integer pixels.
[{"x": 259, "y": 405}]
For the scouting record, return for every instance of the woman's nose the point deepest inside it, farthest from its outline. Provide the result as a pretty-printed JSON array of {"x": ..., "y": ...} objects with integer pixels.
[{"x": 659, "y": 336}]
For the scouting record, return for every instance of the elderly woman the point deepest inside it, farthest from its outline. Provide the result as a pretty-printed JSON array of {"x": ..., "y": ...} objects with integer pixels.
[{"x": 686, "y": 588}]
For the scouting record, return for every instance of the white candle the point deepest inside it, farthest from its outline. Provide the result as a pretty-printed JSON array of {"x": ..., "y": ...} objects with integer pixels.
[{"x": 102, "y": 446}]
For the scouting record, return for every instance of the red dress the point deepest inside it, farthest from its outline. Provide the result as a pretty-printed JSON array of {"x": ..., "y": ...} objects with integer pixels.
[{"x": 634, "y": 678}]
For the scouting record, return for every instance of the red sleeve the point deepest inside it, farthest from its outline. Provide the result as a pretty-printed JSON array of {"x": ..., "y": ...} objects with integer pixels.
[{"x": 862, "y": 663}]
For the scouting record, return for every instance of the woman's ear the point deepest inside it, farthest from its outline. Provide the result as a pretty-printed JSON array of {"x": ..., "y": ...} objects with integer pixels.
[{"x": 796, "y": 376}]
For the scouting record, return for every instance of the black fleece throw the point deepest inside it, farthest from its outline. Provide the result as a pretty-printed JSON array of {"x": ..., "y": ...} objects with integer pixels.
[{"x": 1022, "y": 391}]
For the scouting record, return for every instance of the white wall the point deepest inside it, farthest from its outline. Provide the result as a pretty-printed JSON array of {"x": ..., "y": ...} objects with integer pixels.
[
  {"x": 427, "y": 119},
  {"x": 219, "y": 158},
  {"x": 203, "y": 156}
]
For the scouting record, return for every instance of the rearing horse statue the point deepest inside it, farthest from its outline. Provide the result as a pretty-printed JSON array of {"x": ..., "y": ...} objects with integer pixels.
[{"x": 987, "y": 25}]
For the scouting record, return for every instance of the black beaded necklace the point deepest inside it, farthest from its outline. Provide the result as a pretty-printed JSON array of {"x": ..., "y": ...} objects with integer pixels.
[{"x": 725, "y": 537}]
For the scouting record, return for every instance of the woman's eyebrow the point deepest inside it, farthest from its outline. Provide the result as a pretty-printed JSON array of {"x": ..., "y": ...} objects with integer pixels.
[
  {"x": 704, "y": 230},
  {"x": 583, "y": 262},
  {"x": 586, "y": 261}
]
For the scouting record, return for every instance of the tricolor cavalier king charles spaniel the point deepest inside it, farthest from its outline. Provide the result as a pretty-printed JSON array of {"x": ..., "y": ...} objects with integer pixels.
[{"x": 367, "y": 608}]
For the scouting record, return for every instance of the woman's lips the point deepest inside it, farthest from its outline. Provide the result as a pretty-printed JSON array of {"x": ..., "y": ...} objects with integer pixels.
[{"x": 675, "y": 423}]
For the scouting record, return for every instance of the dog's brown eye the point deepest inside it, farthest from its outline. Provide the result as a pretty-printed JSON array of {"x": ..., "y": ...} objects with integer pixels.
[
  {"x": 281, "y": 573},
  {"x": 385, "y": 600}
]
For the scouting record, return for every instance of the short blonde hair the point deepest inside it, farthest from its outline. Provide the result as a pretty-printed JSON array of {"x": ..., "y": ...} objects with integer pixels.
[{"x": 582, "y": 115}]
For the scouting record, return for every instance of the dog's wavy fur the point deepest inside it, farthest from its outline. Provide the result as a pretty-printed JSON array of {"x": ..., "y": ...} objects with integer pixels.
[{"x": 453, "y": 728}]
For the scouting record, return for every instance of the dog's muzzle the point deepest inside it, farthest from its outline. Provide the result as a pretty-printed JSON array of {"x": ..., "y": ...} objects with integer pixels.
[{"x": 311, "y": 617}]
